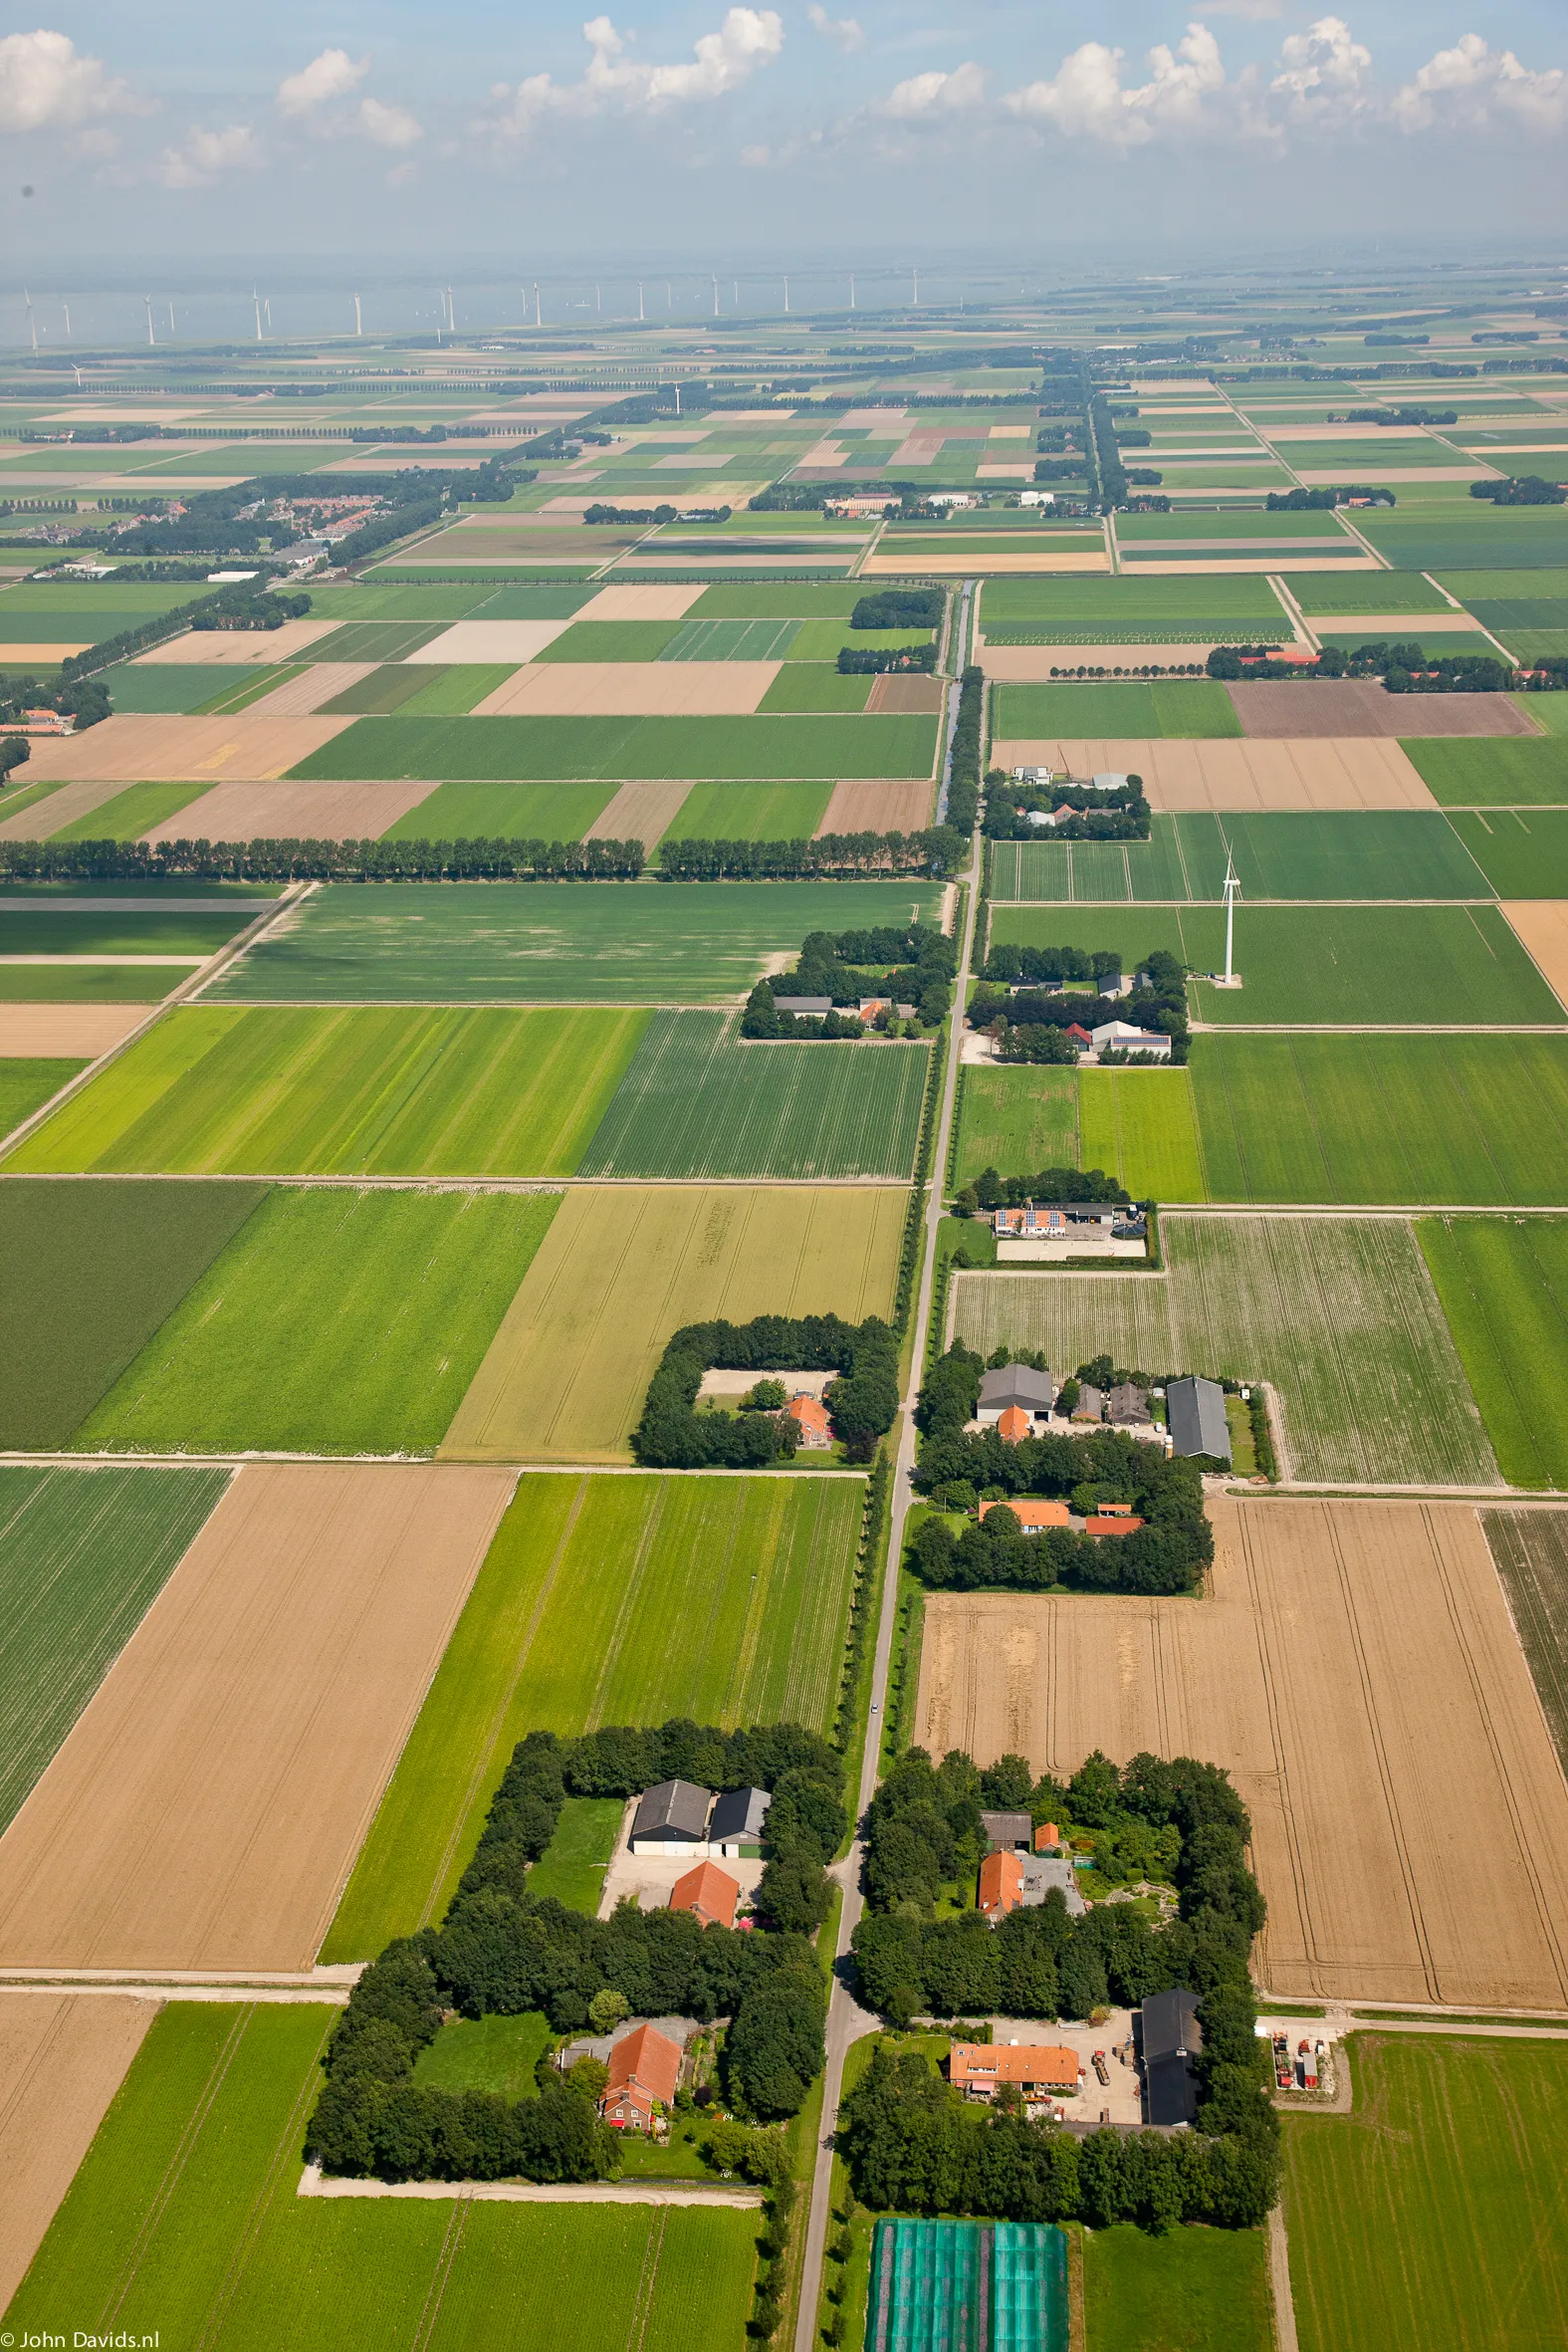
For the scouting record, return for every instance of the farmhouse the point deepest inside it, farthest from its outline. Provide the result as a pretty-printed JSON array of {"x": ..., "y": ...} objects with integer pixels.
[
  {"x": 1031, "y": 1515},
  {"x": 1127, "y": 1405},
  {"x": 671, "y": 1819},
  {"x": 1172, "y": 2039},
  {"x": 644, "y": 2069},
  {"x": 1011, "y": 1882},
  {"x": 1194, "y": 1412},
  {"x": 736, "y": 1830},
  {"x": 1016, "y": 1389},
  {"x": 709, "y": 1893},
  {"x": 811, "y": 1416},
  {"x": 1124, "y": 1036},
  {"x": 1092, "y": 1403},
  {"x": 1070, "y": 1229},
  {"x": 980, "y": 2068}
]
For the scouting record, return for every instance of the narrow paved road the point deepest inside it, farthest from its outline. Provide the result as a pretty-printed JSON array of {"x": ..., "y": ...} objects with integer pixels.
[{"x": 846, "y": 2020}]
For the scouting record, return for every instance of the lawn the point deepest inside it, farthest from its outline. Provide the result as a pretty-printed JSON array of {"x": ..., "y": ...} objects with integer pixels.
[
  {"x": 1189, "y": 2290},
  {"x": 625, "y": 1266},
  {"x": 1504, "y": 1283},
  {"x": 1118, "y": 709},
  {"x": 503, "y": 813},
  {"x": 1139, "y": 1126},
  {"x": 1431, "y": 2216},
  {"x": 744, "y": 748},
  {"x": 1086, "y": 611},
  {"x": 495, "y": 2054},
  {"x": 183, "y": 2227},
  {"x": 1530, "y": 1549},
  {"x": 370, "y": 1090},
  {"x": 551, "y": 943},
  {"x": 750, "y": 812},
  {"x": 1522, "y": 852},
  {"x": 131, "y": 815},
  {"x": 25, "y": 1083},
  {"x": 609, "y": 1600},
  {"x": 83, "y": 1556},
  {"x": 338, "y": 1322},
  {"x": 1490, "y": 773},
  {"x": 1336, "y": 1313},
  {"x": 1018, "y": 1120},
  {"x": 92, "y": 1272},
  {"x": 1395, "y": 1120},
  {"x": 571, "y": 1868},
  {"x": 1285, "y": 854},
  {"x": 697, "y": 1100}
]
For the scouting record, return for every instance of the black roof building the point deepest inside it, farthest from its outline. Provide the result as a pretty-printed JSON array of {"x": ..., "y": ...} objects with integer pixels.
[
  {"x": 674, "y": 1813},
  {"x": 1008, "y": 1832},
  {"x": 1195, "y": 1413},
  {"x": 1172, "y": 2039}
]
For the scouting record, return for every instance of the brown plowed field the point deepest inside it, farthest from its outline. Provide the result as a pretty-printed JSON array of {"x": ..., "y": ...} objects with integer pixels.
[
  {"x": 57, "y": 809},
  {"x": 1543, "y": 924},
  {"x": 916, "y": 694},
  {"x": 878, "y": 804},
  {"x": 63, "y": 2056},
  {"x": 84, "y": 1029},
  {"x": 240, "y": 647},
  {"x": 631, "y": 689},
  {"x": 650, "y": 603},
  {"x": 1357, "y": 773},
  {"x": 1355, "y": 1669},
  {"x": 1305, "y": 709},
  {"x": 206, "y": 1807},
  {"x": 298, "y": 697},
  {"x": 291, "y": 812},
  {"x": 145, "y": 747},
  {"x": 640, "y": 813}
]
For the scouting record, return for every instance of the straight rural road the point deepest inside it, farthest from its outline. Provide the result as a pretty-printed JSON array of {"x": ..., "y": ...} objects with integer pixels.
[{"x": 847, "y": 2022}]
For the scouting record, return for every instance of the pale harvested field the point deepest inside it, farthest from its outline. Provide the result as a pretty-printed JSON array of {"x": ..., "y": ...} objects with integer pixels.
[
  {"x": 1324, "y": 477},
  {"x": 490, "y": 640},
  {"x": 640, "y": 603},
  {"x": 18, "y": 655},
  {"x": 1342, "y": 432},
  {"x": 1355, "y": 1669},
  {"x": 889, "y": 693},
  {"x": 298, "y": 697},
  {"x": 1359, "y": 772},
  {"x": 63, "y": 2056},
  {"x": 207, "y": 1805},
  {"x": 66, "y": 1030},
  {"x": 640, "y": 813},
  {"x": 631, "y": 689},
  {"x": 291, "y": 812},
  {"x": 1193, "y": 565},
  {"x": 149, "y": 747},
  {"x": 1542, "y": 925},
  {"x": 876, "y": 804},
  {"x": 1394, "y": 625},
  {"x": 877, "y": 564},
  {"x": 1305, "y": 709},
  {"x": 257, "y": 646},
  {"x": 621, "y": 1268},
  {"x": 1031, "y": 665},
  {"x": 57, "y": 809}
]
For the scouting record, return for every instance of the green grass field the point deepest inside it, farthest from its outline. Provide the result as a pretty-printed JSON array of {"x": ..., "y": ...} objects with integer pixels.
[
  {"x": 447, "y": 600},
  {"x": 1504, "y": 1283},
  {"x": 246, "y": 686},
  {"x": 548, "y": 943},
  {"x": 744, "y": 748},
  {"x": 571, "y": 1868},
  {"x": 378, "y": 640},
  {"x": 815, "y": 686},
  {"x": 612, "y": 641},
  {"x": 1450, "y": 539},
  {"x": 503, "y": 813},
  {"x": 1086, "y": 611},
  {"x": 89, "y": 984},
  {"x": 750, "y": 813},
  {"x": 608, "y": 1600},
  {"x": 495, "y": 2053},
  {"x": 386, "y": 689},
  {"x": 1523, "y": 852},
  {"x": 86, "y": 930},
  {"x": 1018, "y": 1120},
  {"x": 1140, "y": 1127},
  {"x": 1335, "y": 1311},
  {"x": 183, "y": 2225},
  {"x": 1189, "y": 2290},
  {"x": 699, "y": 1101},
  {"x": 1287, "y": 855},
  {"x": 1488, "y": 772},
  {"x": 26, "y": 1083},
  {"x": 66, "y": 1331},
  {"x": 165, "y": 685},
  {"x": 776, "y": 599},
  {"x": 1396, "y": 1119},
  {"x": 391, "y": 1091},
  {"x": 336, "y": 1322},
  {"x": 452, "y": 692},
  {"x": 1118, "y": 708},
  {"x": 83, "y": 1556},
  {"x": 731, "y": 640},
  {"x": 130, "y": 814},
  {"x": 1530, "y": 1549},
  {"x": 1429, "y": 2216}
]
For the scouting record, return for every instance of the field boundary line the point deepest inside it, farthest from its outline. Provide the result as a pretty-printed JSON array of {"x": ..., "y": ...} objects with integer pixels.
[
  {"x": 445, "y": 2262},
  {"x": 245, "y": 2243},
  {"x": 648, "y": 2279},
  {"x": 650, "y": 2191},
  {"x": 160, "y": 2202},
  {"x": 1279, "y": 2280}
]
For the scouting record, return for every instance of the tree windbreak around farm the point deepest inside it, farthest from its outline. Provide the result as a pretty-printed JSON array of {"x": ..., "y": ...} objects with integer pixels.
[
  {"x": 501, "y": 1950},
  {"x": 862, "y": 1402},
  {"x": 912, "y": 2142}
]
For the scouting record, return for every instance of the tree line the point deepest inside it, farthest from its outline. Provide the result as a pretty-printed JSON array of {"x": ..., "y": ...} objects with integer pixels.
[
  {"x": 963, "y": 775},
  {"x": 1403, "y": 665},
  {"x": 937, "y": 851},
  {"x": 287, "y": 860},
  {"x": 862, "y": 1402}
]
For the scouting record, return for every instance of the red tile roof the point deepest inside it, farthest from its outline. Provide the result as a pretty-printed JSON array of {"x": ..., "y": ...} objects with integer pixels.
[
  {"x": 812, "y": 1416},
  {"x": 1102, "y": 1523},
  {"x": 1014, "y": 1424},
  {"x": 1036, "y": 2066},
  {"x": 644, "y": 2069},
  {"x": 1000, "y": 1885},
  {"x": 1031, "y": 1515},
  {"x": 708, "y": 1891}
]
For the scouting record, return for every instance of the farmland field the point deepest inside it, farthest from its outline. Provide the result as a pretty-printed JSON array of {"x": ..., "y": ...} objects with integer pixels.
[
  {"x": 1372, "y": 853},
  {"x": 1523, "y": 852},
  {"x": 28, "y": 1080},
  {"x": 1086, "y": 611},
  {"x": 338, "y": 1322},
  {"x": 1507, "y": 771},
  {"x": 750, "y": 813},
  {"x": 503, "y": 813},
  {"x": 1189, "y": 2290},
  {"x": 622, "y": 1268},
  {"x": 83, "y": 1554},
  {"x": 184, "y": 2220},
  {"x": 1503, "y": 1284},
  {"x": 1530, "y": 1549},
  {"x": 609, "y": 1600},
  {"x": 773, "y": 599},
  {"x": 744, "y": 748},
  {"x": 62, "y": 930},
  {"x": 1450, "y": 2157},
  {"x": 131, "y": 815},
  {"x": 815, "y": 686},
  {"x": 1448, "y": 540},
  {"x": 1336, "y": 1313},
  {"x": 219, "y": 1089},
  {"x": 1327, "y": 593},
  {"x": 67, "y": 1333},
  {"x": 611, "y": 640},
  {"x": 89, "y": 984},
  {"x": 527, "y": 942},
  {"x": 1139, "y": 1126},
  {"x": 698, "y": 1101},
  {"x": 1453, "y": 1119},
  {"x": 1018, "y": 1120},
  {"x": 1115, "y": 709}
]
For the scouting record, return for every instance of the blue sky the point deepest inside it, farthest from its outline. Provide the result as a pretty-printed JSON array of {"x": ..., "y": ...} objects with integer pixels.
[{"x": 1052, "y": 129}]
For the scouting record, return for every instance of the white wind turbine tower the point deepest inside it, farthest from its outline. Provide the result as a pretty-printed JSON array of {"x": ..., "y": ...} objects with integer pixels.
[
  {"x": 32, "y": 323},
  {"x": 1231, "y": 889},
  {"x": 359, "y": 324}
]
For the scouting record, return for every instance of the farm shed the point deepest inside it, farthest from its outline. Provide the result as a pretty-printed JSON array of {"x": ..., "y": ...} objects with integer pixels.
[
  {"x": 672, "y": 1819},
  {"x": 1172, "y": 2039},
  {"x": 1195, "y": 1413},
  {"x": 736, "y": 1830}
]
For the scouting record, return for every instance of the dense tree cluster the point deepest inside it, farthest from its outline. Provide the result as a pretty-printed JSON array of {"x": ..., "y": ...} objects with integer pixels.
[
  {"x": 328, "y": 862},
  {"x": 862, "y": 1401},
  {"x": 628, "y": 514},
  {"x": 500, "y": 1952},
  {"x": 1521, "y": 490},
  {"x": 899, "y": 609},
  {"x": 991, "y": 1191},
  {"x": 266, "y": 608},
  {"x": 881, "y": 660},
  {"x": 1121, "y": 814},
  {"x": 1410, "y": 413},
  {"x": 84, "y": 699},
  {"x": 1157, "y": 999},
  {"x": 914, "y": 965},
  {"x": 1403, "y": 665},
  {"x": 1295, "y": 501},
  {"x": 937, "y": 851},
  {"x": 964, "y": 777}
]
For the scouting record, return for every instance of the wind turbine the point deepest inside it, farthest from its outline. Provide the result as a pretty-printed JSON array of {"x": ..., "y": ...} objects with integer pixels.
[
  {"x": 147, "y": 299},
  {"x": 256, "y": 299},
  {"x": 1231, "y": 888},
  {"x": 66, "y": 307},
  {"x": 359, "y": 324},
  {"x": 715, "y": 293},
  {"x": 32, "y": 323},
  {"x": 641, "y": 312}
]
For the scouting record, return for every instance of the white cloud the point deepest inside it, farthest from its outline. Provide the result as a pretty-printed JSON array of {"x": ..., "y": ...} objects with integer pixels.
[
  {"x": 1086, "y": 97},
  {"x": 332, "y": 74},
  {"x": 845, "y": 32},
  {"x": 46, "y": 86},
  {"x": 926, "y": 96},
  {"x": 1474, "y": 84},
  {"x": 1324, "y": 70},
  {"x": 388, "y": 127},
  {"x": 721, "y": 61},
  {"x": 208, "y": 153}
]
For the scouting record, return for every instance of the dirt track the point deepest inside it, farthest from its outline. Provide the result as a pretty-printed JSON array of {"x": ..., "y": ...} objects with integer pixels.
[
  {"x": 85, "y": 1031},
  {"x": 878, "y": 804},
  {"x": 1356, "y": 1670},
  {"x": 207, "y": 1805},
  {"x": 63, "y": 2056},
  {"x": 292, "y": 812},
  {"x": 136, "y": 747},
  {"x": 1177, "y": 777},
  {"x": 1295, "y": 710}
]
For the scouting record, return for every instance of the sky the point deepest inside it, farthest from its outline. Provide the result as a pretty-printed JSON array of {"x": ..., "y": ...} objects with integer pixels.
[{"x": 1047, "y": 133}]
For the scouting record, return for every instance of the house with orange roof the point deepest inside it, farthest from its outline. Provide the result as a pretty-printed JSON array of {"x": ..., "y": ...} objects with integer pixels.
[
  {"x": 812, "y": 1418},
  {"x": 1011, "y": 1880},
  {"x": 708, "y": 1892},
  {"x": 1113, "y": 1519},
  {"x": 1015, "y": 1425},
  {"x": 1032, "y": 1514},
  {"x": 1039, "y": 2069},
  {"x": 644, "y": 2069}
]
